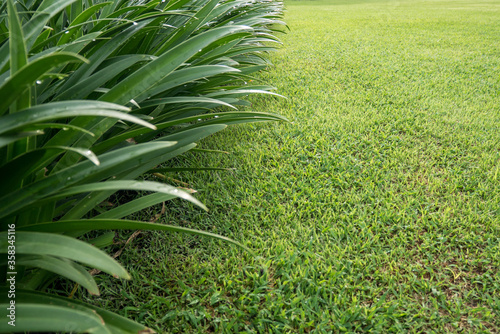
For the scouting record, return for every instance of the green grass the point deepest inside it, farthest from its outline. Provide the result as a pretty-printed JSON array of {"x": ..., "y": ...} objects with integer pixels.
[{"x": 376, "y": 210}]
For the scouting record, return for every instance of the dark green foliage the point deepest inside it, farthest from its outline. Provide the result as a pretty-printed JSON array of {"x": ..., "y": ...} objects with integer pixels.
[{"x": 94, "y": 95}]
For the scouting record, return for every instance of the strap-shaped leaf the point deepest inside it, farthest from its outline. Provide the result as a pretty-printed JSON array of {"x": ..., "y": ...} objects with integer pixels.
[
  {"x": 185, "y": 75},
  {"x": 102, "y": 53},
  {"x": 112, "y": 163},
  {"x": 18, "y": 59},
  {"x": 32, "y": 28},
  {"x": 119, "y": 224},
  {"x": 22, "y": 166},
  {"x": 219, "y": 51},
  {"x": 135, "y": 206},
  {"x": 113, "y": 322},
  {"x": 81, "y": 19},
  {"x": 41, "y": 318},
  {"x": 58, "y": 110},
  {"x": 63, "y": 267},
  {"x": 128, "y": 185},
  {"x": 185, "y": 141},
  {"x": 8, "y": 139},
  {"x": 146, "y": 78},
  {"x": 81, "y": 151},
  {"x": 224, "y": 118},
  {"x": 18, "y": 56},
  {"x": 90, "y": 201},
  {"x": 187, "y": 29},
  {"x": 86, "y": 86},
  {"x": 185, "y": 99},
  {"x": 243, "y": 92},
  {"x": 36, "y": 243},
  {"x": 65, "y": 127},
  {"x": 26, "y": 76}
]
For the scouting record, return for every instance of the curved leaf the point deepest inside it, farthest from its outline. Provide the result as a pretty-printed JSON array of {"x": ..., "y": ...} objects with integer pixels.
[
  {"x": 185, "y": 75},
  {"x": 32, "y": 28},
  {"x": 41, "y": 318},
  {"x": 58, "y": 110},
  {"x": 223, "y": 118},
  {"x": 18, "y": 56},
  {"x": 36, "y": 243},
  {"x": 11, "y": 138},
  {"x": 111, "y": 163},
  {"x": 145, "y": 79},
  {"x": 128, "y": 185},
  {"x": 83, "y": 17},
  {"x": 23, "y": 165},
  {"x": 81, "y": 151},
  {"x": 135, "y": 206},
  {"x": 65, "y": 127},
  {"x": 184, "y": 99},
  {"x": 88, "y": 85},
  {"x": 117, "y": 324},
  {"x": 119, "y": 224},
  {"x": 27, "y": 75},
  {"x": 102, "y": 53},
  {"x": 93, "y": 199},
  {"x": 63, "y": 267}
]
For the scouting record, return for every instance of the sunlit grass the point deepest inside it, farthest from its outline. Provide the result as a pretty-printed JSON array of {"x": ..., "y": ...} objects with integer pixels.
[{"x": 377, "y": 209}]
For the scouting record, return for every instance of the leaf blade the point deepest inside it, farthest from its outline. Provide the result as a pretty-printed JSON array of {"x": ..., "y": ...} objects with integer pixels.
[{"x": 36, "y": 243}]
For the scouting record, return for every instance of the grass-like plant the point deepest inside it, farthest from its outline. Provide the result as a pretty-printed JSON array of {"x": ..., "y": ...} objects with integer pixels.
[{"x": 94, "y": 95}]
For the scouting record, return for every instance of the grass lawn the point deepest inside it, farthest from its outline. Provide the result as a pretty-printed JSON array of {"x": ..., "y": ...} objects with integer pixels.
[{"x": 377, "y": 210}]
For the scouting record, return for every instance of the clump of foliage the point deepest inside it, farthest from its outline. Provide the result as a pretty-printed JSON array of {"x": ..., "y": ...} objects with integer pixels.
[{"x": 95, "y": 95}]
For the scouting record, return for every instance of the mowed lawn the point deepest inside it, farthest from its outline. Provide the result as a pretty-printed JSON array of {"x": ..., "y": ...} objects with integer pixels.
[{"x": 377, "y": 209}]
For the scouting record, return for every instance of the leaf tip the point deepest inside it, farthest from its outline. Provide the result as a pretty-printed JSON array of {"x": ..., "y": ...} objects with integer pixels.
[{"x": 126, "y": 276}]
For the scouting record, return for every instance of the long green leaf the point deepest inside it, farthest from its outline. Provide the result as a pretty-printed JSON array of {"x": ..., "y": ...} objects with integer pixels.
[
  {"x": 135, "y": 206},
  {"x": 32, "y": 28},
  {"x": 242, "y": 92},
  {"x": 49, "y": 318},
  {"x": 8, "y": 139},
  {"x": 64, "y": 127},
  {"x": 185, "y": 75},
  {"x": 145, "y": 79},
  {"x": 86, "y": 86},
  {"x": 18, "y": 57},
  {"x": 47, "y": 10},
  {"x": 119, "y": 224},
  {"x": 103, "y": 52},
  {"x": 26, "y": 77},
  {"x": 184, "y": 99},
  {"x": 93, "y": 199},
  {"x": 63, "y": 267},
  {"x": 65, "y": 109},
  {"x": 113, "y": 162},
  {"x": 83, "y": 17},
  {"x": 223, "y": 117},
  {"x": 36, "y": 243},
  {"x": 23, "y": 165},
  {"x": 185, "y": 141},
  {"x": 188, "y": 27},
  {"x": 115, "y": 323},
  {"x": 128, "y": 185}
]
